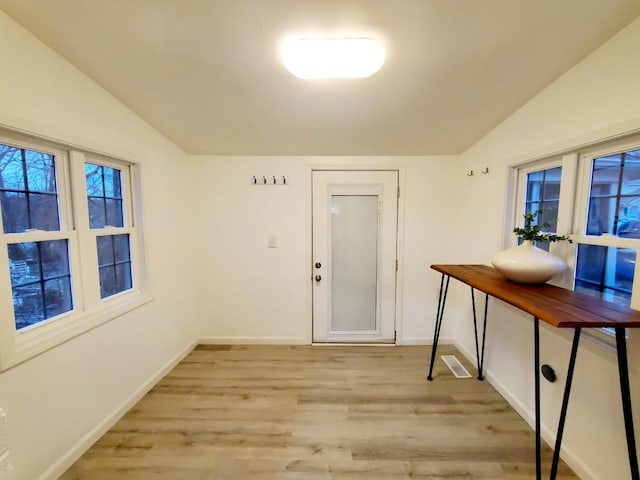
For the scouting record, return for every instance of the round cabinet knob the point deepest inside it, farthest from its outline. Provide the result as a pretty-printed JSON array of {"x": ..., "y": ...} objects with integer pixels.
[
  {"x": 318, "y": 265},
  {"x": 318, "y": 278}
]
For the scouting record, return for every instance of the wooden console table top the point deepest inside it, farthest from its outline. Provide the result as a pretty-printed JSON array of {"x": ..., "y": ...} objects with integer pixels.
[{"x": 556, "y": 306}]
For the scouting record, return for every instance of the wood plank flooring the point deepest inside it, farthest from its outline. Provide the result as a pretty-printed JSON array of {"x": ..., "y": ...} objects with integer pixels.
[{"x": 284, "y": 412}]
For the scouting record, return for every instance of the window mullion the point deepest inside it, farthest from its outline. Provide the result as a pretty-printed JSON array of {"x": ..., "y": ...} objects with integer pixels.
[
  {"x": 65, "y": 200},
  {"x": 127, "y": 196},
  {"x": 27, "y": 195},
  {"x": 135, "y": 255},
  {"x": 87, "y": 253},
  {"x": 566, "y": 195},
  {"x": 618, "y": 194},
  {"x": 35, "y": 236},
  {"x": 7, "y": 329}
]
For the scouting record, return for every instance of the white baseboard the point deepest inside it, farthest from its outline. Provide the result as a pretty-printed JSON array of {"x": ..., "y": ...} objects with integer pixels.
[
  {"x": 304, "y": 341},
  {"x": 68, "y": 459},
  {"x": 566, "y": 453},
  {"x": 253, "y": 341},
  {"x": 423, "y": 341}
]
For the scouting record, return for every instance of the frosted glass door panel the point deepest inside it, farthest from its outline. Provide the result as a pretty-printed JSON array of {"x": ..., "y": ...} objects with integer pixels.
[{"x": 354, "y": 262}]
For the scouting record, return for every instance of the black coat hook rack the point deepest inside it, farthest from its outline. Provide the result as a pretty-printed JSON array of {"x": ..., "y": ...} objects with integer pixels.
[{"x": 268, "y": 180}]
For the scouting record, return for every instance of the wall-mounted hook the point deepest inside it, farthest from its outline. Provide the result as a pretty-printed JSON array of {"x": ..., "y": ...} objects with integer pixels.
[
  {"x": 470, "y": 174},
  {"x": 486, "y": 170},
  {"x": 271, "y": 180}
]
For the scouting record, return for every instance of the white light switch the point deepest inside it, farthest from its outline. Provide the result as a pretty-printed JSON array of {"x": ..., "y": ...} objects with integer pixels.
[{"x": 272, "y": 241}]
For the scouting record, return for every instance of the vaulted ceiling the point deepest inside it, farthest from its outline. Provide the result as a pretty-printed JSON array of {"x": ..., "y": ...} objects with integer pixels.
[{"x": 206, "y": 73}]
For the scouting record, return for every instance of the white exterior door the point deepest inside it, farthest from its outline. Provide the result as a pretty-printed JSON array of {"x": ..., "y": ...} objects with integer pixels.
[{"x": 354, "y": 255}]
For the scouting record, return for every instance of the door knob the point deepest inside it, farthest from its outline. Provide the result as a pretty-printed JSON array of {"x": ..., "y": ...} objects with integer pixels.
[
  {"x": 318, "y": 278},
  {"x": 318, "y": 265}
]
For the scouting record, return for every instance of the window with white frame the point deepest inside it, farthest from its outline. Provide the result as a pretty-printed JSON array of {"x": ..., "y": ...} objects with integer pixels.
[
  {"x": 108, "y": 222},
  {"x": 68, "y": 244},
  {"x": 594, "y": 196},
  {"x": 541, "y": 187},
  {"x": 609, "y": 234}
]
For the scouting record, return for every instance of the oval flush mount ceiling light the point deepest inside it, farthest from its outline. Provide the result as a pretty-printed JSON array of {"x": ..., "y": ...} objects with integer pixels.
[{"x": 333, "y": 57}]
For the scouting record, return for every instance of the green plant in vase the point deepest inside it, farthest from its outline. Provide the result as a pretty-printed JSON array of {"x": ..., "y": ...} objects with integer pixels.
[{"x": 533, "y": 231}]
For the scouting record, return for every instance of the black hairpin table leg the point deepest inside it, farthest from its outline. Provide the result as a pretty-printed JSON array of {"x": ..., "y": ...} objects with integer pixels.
[
  {"x": 565, "y": 404},
  {"x": 623, "y": 370},
  {"x": 442, "y": 299},
  {"x": 479, "y": 349},
  {"x": 536, "y": 366}
]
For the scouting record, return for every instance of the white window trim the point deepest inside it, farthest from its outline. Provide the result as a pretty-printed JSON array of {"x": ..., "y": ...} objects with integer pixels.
[
  {"x": 586, "y": 157},
  {"x": 572, "y": 213},
  {"x": 89, "y": 310}
]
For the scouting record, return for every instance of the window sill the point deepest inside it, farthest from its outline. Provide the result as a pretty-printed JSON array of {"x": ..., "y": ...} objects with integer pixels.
[{"x": 29, "y": 344}]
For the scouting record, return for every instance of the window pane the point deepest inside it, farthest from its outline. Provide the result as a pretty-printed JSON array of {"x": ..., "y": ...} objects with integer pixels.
[
  {"x": 31, "y": 201},
  {"x": 57, "y": 293},
  {"x": 43, "y": 210},
  {"x": 606, "y": 272},
  {"x": 114, "y": 212},
  {"x": 550, "y": 215},
  {"x": 40, "y": 281},
  {"x": 112, "y": 185},
  {"x": 24, "y": 260},
  {"x": 543, "y": 191},
  {"x": 14, "y": 212},
  {"x": 28, "y": 305},
  {"x": 41, "y": 174},
  {"x": 534, "y": 183},
  {"x": 107, "y": 281},
  {"x": 11, "y": 171},
  {"x": 631, "y": 176},
  {"x": 104, "y": 192},
  {"x": 55, "y": 258},
  {"x": 105, "y": 250},
  {"x": 600, "y": 217},
  {"x": 630, "y": 229},
  {"x": 123, "y": 276},
  {"x": 121, "y": 247},
  {"x": 628, "y": 216},
  {"x": 605, "y": 176},
  {"x": 614, "y": 199},
  {"x": 97, "y": 218},
  {"x": 93, "y": 175},
  {"x": 551, "y": 191},
  {"x": 114, "y": 260}
]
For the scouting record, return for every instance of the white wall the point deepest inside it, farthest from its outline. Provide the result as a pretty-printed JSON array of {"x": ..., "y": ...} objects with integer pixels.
[
  {"x": 257, "y": 294},
  {"x": 252, "y": 293},
  {"x": 597, "y": 99},
  {"x": 65, "y": 395}
]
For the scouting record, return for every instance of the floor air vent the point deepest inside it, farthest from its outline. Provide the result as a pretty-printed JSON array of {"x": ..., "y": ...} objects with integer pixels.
[{"x": 455, "y": 366}]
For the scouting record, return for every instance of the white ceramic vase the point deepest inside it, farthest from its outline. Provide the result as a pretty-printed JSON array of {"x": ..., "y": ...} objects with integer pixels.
[{"x": 527, "y": 263}]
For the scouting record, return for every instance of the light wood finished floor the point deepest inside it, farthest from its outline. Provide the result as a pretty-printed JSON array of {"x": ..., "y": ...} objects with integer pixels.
[{"x": 273, "y": 412}]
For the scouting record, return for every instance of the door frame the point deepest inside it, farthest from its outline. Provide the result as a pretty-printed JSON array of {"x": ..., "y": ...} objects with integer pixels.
[{"x": 383, "y": 164}]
